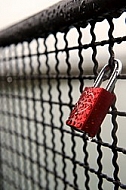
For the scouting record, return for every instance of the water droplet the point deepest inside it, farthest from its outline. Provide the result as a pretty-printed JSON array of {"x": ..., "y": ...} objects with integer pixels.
[{"x": 9, "y": 79}]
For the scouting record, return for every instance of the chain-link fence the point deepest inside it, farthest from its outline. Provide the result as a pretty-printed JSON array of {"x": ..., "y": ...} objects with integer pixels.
[{"x": 45, "y": 62}]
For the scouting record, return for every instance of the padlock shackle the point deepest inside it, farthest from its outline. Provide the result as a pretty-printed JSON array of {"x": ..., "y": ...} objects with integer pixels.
[
  {"x": 112, "y": 78},
  {"x": 116, "y": 72}
]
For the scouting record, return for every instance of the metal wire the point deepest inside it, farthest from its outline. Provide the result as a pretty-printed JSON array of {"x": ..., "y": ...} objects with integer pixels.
[{"x": 43, "y": 71}]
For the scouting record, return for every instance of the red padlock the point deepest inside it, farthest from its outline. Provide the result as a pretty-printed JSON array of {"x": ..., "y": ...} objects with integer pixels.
[{"x": 94, "y": 102}]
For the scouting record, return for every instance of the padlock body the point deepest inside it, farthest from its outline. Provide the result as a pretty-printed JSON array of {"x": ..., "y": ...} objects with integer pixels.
[{"x": 91, "y": 109}]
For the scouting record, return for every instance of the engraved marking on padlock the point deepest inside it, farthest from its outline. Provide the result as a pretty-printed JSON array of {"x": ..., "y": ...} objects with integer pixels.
[
  {"x": 89, "y": 104},
  {"x": 79, "y": 107}
]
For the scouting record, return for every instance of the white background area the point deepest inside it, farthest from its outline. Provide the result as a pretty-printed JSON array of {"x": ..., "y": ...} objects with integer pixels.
[{"x": 12, "y": 11}]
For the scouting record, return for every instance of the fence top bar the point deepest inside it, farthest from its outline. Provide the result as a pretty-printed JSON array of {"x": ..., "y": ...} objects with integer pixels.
[{"x": 59, "y": 17}]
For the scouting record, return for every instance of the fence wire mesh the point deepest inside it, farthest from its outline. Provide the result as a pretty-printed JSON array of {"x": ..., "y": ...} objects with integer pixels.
[{"x": 41, "y": 79}]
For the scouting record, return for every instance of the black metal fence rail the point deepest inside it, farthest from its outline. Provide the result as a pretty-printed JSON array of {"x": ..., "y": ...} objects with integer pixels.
[
  {"x": 59, "y": 17},
  {"x": 45, "y": 62}
]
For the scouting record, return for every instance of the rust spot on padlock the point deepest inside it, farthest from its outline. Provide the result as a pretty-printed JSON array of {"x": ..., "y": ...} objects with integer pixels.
[{"x": 94, "y": 103}]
